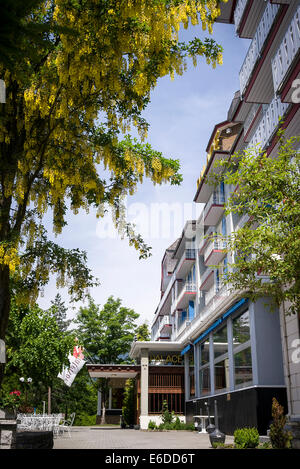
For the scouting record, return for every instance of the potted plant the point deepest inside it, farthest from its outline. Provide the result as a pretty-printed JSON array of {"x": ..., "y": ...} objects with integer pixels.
[{"x": 9, "y": 405}]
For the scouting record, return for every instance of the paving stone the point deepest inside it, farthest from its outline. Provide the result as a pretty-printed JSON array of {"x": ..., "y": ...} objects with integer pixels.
[{"x": 116, "y": 438}]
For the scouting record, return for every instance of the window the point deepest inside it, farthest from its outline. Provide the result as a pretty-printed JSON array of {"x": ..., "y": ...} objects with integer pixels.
[
  {"x": 221, "y": 361},
  {"x": 204, "y": 354},
  {"x": 204, "y": 381},
  {"x": 220, "y": 342},
  {"x": 204, "y": 372},
  {"x": 241, "y": 329},
  {"x": 243, "y": 375},
  {"x": 243, "y": 368},
  {"x": 222, "y": 375}
]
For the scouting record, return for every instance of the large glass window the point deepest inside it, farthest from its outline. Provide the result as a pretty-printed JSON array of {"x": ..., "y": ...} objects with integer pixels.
[
  {"x": 221, "y": 362},
  {"x": 220, "y": 342},
  {"x": 243, "y": 368},
  {"x": 241, "y": 329},
  {"x": 204, "y": 354},
  {"x": 222, "y": 375},
  {"x": 204, "y": 381},
  {"x": 204, "y": 373}
]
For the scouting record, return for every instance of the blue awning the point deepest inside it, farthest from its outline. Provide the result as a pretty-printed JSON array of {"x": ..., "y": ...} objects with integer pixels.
[{"x": 186, "y": 349}]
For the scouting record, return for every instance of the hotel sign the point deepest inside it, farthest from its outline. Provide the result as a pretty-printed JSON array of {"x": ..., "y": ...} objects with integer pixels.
[{"x": 167, "y": 359}]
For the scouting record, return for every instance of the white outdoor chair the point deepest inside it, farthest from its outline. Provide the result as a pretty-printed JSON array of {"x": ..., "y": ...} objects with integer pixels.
[{"x": 67, "y": 424}]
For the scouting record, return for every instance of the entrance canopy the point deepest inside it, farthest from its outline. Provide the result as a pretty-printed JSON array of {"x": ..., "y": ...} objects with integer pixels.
[{"x": 113, "y": 371}]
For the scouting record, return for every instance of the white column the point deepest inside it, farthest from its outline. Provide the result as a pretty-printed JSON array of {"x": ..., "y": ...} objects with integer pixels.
[{"x": 144, "y": 388}]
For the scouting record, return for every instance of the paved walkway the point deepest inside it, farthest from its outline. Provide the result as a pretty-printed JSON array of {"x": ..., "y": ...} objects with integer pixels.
[{"x": 116, "y": 438}]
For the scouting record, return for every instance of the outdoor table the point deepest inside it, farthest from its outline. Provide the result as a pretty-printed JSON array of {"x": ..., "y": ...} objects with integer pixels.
[{"x": 202, "y": 418}]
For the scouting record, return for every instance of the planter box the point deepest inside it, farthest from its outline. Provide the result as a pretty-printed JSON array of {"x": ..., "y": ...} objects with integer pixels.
[{"x": 34, "y": 440}]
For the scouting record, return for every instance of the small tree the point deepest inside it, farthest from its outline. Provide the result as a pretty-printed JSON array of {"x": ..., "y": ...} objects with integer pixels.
[
  {"x": 280, "y": 438},
  {"x": 128, "y": 409}
]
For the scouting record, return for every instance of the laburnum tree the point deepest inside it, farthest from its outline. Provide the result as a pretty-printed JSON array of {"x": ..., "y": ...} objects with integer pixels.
[
  {"x": 71, "y": 98},
  {"x": 265, "y": 250}
]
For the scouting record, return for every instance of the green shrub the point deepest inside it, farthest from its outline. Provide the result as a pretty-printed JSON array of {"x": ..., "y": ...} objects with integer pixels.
[
  {"x": 246, "y": 438},
  {"x": 280, "y": 438},
  {"x": 85, "y": 420},
  {"x": 189, "y": 426},
  {"x": 151, "y": 425}
]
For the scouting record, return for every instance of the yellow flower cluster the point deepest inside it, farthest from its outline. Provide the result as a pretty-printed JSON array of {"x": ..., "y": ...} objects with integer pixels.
[
  {"x": 105, "y": 66},
  {"x": 9, "y": 256}
]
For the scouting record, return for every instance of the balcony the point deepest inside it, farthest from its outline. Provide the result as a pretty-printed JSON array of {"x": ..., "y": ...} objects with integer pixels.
[
  {"x": 210, "y": 294},
  {"x": 239, "y": 13},
  {"x": 206, "y": 238},
  {"x": 283, "y": 61},
  {"x": 214, "y": 208},
  {"x": 185, "y": 263},
  {"x": 257, "y": 45},
  {"x": 269, "y": 123},
  {"x": 191, "y": 327},
  {"x": 251, "y": 120},
  {"x": 207, "y": 279},
  {"x": 165, "y": 326},
  {"x": 187, "y": 293},
  {"x": 215, "y": 252}
]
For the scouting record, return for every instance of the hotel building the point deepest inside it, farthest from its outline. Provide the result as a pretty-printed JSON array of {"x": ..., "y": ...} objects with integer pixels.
[{"x": 228, "y": 348}]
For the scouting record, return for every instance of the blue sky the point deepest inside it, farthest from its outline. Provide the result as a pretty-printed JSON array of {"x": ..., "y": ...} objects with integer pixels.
[{"x": 182, "y": 115}]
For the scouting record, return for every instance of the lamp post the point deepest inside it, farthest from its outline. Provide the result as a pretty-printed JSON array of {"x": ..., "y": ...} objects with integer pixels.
[
  {"x": 216, "y": 436},
  {"x": 210, "y": 427}
]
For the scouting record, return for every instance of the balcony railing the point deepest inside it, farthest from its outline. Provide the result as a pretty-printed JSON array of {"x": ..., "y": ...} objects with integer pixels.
[
  {"x": 257, "y": 44},
  {"x": 204, "y": 278},
  {"x": 211, "y": 258},
  {"x": 206, "y": 237},
  {"x": 250, "y": 117},
  {"x": 181, "y": 302},
  {"x": 286, "y": 52},
  {"x": 165, "y": 321},
  {"x": 239, "y": 12},
  {"x": 218, "y": 199},
  {"x": 269, "y": 123}
]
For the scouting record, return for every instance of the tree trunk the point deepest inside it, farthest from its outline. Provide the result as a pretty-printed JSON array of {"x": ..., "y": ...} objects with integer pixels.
[
  {"x": 103, "y": 421},
  {"x": 4, "y": 308}
]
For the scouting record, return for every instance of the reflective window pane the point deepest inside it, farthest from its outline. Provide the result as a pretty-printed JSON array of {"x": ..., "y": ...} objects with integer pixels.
[
  {"x": 220, "y": 342},
  {"x": 204, "y": 377},
  {"x": 241, "y": 329},
  {"x": 192, "y": 384},
  {"x": 204, "y": 353},
  {"x": 222, "y": 375},
  {"x": 243, "y": 367}
]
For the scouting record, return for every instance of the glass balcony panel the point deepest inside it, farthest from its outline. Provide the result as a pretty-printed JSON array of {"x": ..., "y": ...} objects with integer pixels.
[
  {"x": 257, "y": 44},
  {"x": 239, "y": 12},
  {"x": 286, "y": 52}
]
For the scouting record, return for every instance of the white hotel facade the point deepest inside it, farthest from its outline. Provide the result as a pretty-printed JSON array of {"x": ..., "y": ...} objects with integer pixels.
[{"x": 234, "y": 350}]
